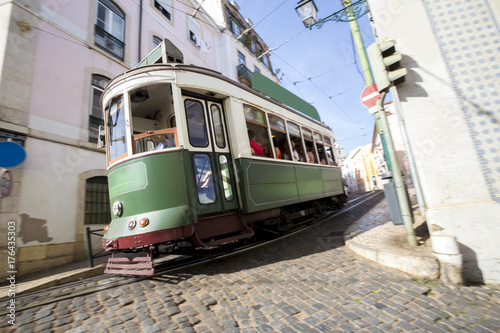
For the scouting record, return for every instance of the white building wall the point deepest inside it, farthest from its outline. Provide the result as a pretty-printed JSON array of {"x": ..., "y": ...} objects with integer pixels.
[
  {"x": 47, "y": 58},
  {"x": 449, "y": 104}
]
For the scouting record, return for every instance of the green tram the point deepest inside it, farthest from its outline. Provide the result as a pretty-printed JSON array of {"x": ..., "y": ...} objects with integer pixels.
[{"x": 181, "y": 168}]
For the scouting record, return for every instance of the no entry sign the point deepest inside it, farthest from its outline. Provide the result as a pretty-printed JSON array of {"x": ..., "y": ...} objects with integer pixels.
[{"x": 370, "y": 95}]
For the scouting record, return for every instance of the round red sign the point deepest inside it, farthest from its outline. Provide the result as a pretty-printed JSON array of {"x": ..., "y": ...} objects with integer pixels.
[{"x": 370, "y": 95}]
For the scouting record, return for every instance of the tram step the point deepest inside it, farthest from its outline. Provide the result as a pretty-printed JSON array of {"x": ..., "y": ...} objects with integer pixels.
[
  {"x": 136, "y": 266},
  {"x": 219, "y": 230}
]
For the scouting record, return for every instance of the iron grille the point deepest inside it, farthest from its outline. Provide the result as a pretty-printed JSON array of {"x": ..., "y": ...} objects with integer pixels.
[
  {"x": 109, "y": 43},
  {"x": 97, "y": 210},
  {"x": 244, "y": 74}
]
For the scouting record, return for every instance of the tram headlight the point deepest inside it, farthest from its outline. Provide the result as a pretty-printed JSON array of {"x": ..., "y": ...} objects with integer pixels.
[
  {"x": 106, "y": 228},
  {"x": 144, "y": 222},
  {"x": 132, "y": 224},
  {"x": 117, "y": 208}
]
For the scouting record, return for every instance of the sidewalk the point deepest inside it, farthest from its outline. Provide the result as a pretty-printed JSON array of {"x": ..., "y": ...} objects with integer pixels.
[{"x": 373, "y": 236}]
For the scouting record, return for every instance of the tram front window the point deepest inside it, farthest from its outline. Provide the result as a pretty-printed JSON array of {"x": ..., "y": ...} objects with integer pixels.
[
  {"x": 153, "y": 118},
  {"x": 116, "y": 129}
]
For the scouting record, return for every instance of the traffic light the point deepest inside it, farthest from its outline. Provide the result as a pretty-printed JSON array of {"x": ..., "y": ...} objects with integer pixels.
[{"x": 385, "y": 64}]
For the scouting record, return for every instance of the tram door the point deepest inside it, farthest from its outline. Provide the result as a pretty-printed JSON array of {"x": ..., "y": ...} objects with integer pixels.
[{"x": 210, "y": 154}]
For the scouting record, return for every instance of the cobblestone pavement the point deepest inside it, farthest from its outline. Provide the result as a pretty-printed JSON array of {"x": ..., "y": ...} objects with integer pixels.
[{"x": 309, "y": 282}]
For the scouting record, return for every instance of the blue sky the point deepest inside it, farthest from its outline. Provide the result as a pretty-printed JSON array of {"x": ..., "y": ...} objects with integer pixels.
[{"x": 318, "y": 65}]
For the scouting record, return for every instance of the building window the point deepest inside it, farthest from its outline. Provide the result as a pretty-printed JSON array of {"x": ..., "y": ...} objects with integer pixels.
[
  {"x": 235, "y": 29},
  {"x": 241, "y": 59},
  {"x": 12, "y": 137},
  {"x": 194, "y": 31},
  {"x": 96, "y": 117},
  {"x": 265, "y": 61},
  {"x": 253, "y": 47},
  {"x": 165, "y": 7},
  {"x": 156, "y": 41},
  {"x": 97, "y": 201},
  {"x": 110, "y": 28}
]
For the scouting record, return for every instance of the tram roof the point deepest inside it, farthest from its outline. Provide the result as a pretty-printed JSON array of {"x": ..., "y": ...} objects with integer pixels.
[{"x": 280, "y": 95}]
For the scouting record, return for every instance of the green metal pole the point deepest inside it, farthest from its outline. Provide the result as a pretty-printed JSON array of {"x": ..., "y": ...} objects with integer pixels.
[
  {"x": 385, "y": 133},
  {"x": 360, "y": 47},
  {"x": 365, "y": 66},
  {"x": 404, "y": 205}
]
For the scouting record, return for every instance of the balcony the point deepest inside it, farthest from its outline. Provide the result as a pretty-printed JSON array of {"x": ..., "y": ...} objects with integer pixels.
[
  {"x": 109, "y": 43},
  {"x": 244, "y": 75}
]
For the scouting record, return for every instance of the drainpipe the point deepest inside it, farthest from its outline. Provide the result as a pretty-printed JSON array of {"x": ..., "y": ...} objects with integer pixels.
[
  {"x": 404, "y": 204},
  {"x": 140, "y": 33},
  {"x": 409, "y": 154}
]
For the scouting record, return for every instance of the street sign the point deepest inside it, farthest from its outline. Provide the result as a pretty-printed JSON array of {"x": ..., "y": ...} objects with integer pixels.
[
  {"x": 11, "y": 154},
  {"x": 370, "y": 95}
]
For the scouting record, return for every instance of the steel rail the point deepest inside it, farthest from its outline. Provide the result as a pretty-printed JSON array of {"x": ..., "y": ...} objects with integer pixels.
[{"x": 183, "y": 262}]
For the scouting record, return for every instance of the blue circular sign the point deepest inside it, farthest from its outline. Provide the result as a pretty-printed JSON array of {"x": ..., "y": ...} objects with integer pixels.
[{"x": 11, "y": 154}]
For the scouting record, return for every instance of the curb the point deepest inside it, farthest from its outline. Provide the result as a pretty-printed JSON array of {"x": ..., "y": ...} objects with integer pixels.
[
  {"x": 55, "y": 280},
  {"x": 421, "y": 266}
]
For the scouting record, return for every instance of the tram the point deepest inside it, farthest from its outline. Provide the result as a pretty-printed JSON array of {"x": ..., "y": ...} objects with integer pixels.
[{"x": 181, "y": 166}]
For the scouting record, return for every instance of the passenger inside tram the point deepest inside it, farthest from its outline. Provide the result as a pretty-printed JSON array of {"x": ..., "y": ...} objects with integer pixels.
[
  {"x": 310, "y": 153},
  {"x": 298, "y": 153},
  {"x": 277, "y": 150},
  {"x": 254, "y": 146},
  {"x": 153, "y": 118}
]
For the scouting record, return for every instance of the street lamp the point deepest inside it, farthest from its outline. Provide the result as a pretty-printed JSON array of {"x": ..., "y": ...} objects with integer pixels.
[{"x": 307, "y": 11}]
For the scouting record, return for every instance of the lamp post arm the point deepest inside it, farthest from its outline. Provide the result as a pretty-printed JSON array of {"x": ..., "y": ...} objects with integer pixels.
[{"x": 348, "y": 13}]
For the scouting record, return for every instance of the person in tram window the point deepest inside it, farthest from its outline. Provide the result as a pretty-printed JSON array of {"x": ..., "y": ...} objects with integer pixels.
[
  {"x": 160, "y": 141},
  {"x": 310, "y": 155},
  {"x": 256, "y": 148},
  {"x": 277, "y": 150},
  {"x": 296, "y": 156}
]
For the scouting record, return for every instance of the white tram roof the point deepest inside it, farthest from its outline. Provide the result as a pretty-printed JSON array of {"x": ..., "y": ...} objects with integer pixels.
[{"x": 187, "y": 76}]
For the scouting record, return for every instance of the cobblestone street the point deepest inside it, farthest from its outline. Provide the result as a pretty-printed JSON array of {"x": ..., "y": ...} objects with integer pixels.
[{"x": 309, "y": 282}]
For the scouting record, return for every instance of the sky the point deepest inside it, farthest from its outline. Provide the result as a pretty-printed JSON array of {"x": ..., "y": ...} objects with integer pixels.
[{"x": 318, "y": 65}]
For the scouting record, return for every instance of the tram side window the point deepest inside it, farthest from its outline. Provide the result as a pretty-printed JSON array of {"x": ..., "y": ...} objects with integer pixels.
[
  {"x": 204, "y": 180},
  {"x": 257, "y": 126},
  {"x": 196, "y": 123},
  {"x": 296, "y": 141},
  {"x": 280, "y": 141},
  {"x": 320, "y": 147},
  {"x": 117, "y": 144},
  {"x": 329, "y": 152},
  {"x": 310, "y": 150}
]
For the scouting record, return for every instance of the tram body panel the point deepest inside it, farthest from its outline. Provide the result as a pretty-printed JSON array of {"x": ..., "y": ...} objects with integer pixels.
[
  {"x": 332, "y": 181},
  {"x": 267, "y": 184},
  {"x": 156, "y": 187}
]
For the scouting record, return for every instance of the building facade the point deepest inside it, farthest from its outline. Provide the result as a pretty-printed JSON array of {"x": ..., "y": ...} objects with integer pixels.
[
  {"x": 450, "y": 108},
  {"x": 359, "y": 170},
  {"x": 56, "y": 57}
]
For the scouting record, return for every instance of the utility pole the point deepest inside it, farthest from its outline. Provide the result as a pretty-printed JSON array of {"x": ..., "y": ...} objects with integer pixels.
[{"x": 384, "y": 78}]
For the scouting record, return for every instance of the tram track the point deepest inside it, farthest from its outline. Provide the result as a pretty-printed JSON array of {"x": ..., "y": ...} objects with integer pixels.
[{"x": 67, "y": 291}]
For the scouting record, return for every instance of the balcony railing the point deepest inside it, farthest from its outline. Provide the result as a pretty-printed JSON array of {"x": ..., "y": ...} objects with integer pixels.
[
  {"x": 109, "y": 43},
  {"x": 244, "y": 75}
]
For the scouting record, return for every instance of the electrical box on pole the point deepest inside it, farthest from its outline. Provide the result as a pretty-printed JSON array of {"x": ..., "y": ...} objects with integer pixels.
[{"x": 385, "y": 65}]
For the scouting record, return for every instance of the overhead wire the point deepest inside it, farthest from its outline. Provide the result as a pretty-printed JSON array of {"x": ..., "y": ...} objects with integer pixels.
[{"x": 319, "y": 89}]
